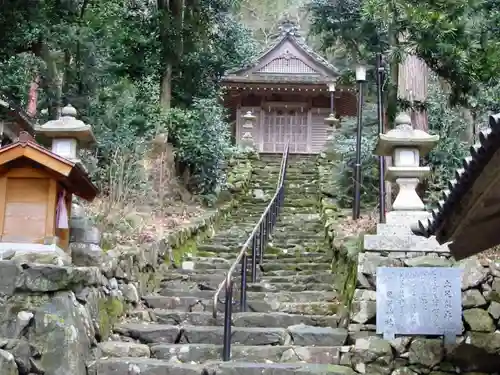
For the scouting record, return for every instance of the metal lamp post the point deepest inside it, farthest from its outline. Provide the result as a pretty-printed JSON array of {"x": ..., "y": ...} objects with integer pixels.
[
  {"x": 356, "y": 207},
  {"x": 380, "y": 114}
]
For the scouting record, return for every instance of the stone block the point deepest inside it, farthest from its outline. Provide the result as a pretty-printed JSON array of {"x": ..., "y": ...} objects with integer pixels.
[
  {"x": 34, "y": 253},
  {"x": 394, "y": 229},
  {"x": 410, "y": 243},
  {"x": 407, "y": 218}
]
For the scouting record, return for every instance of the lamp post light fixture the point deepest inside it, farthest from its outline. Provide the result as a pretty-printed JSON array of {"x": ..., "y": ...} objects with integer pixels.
[{"x": 356, "y": 207}]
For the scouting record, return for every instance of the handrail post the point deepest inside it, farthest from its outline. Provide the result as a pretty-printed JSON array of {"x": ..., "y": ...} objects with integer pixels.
[
  {"x": 228, "y": 309},
  {"x": 243, "y": 291},
  {"x": 254, "y": 259},
  {"x": 261, "y": 242}
]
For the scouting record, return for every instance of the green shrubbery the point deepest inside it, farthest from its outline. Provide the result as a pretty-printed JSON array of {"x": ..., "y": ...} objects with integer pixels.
[
  {"x": 201, "y": 136},
  {"x": 345, "y": 147}
]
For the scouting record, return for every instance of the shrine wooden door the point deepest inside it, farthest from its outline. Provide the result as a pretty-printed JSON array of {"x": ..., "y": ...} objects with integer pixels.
[{"x": 282, "y": 125}]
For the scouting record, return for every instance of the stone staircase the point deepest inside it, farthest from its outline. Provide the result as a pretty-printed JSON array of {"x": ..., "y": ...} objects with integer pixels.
[{"x": 291, "y": 322}]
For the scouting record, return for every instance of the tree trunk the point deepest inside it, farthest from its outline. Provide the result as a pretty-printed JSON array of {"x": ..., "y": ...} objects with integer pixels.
[
  {"x": 172, "y": 16},
  {"x": 412, "y": 86},
  {"x": 53, "y": 81},
  {"x": 391, "y": 107},
  {"x": 166, "y": 87}
]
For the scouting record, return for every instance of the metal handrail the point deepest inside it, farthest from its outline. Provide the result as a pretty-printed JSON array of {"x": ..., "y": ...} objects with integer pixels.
[{"x": 257, "y": 241}]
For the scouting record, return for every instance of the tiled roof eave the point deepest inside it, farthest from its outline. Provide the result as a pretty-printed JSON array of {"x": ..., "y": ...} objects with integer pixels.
[
  {"x": 302, "y": 45},
  {"x": 465, "y": 177},
  {"x": 302, "y": 78}
]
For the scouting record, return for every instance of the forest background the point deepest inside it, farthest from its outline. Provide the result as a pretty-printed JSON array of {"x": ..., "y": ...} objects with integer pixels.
[{"x": 146, "y": 75}]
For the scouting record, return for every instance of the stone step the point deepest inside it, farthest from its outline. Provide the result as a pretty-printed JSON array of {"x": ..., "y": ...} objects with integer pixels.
[
  {"x": 303, "y": 269},
  {"x": 307, "y": 234},
  {"x": 290, "y": 186},
  {"x": 288, "y": 202},
  {"x": 281, "y": 296},
  {"x": 285, "y": 283},
  {"x": 243, "y": 319},
  {"x": 247, "y": 368},
  {"x": 291, "y": 174},
  {"x": 190, "y": 304},
  {"x": 150, "y": 366},
  {"x": 322, "y": 277},
  {"x": 219, "y": 249},
  {"x": 201, "y": 353},
  {"x": 301, "y": 334},
  {"x": 292, "y": 287},
  {"x": 278, "y": 266},
  {"x": 284, "y": 257},
  {"x": 188, "y": 268},
  {"x": 286, "y": 229},
  {"x": 286, "y": 209}
]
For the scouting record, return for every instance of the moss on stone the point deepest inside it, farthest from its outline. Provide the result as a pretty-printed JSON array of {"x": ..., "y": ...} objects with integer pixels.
[
  {"x": 344, "y": 266},
  {"x": 186, "y": 242},
  {"x": 110, "y": 311}
]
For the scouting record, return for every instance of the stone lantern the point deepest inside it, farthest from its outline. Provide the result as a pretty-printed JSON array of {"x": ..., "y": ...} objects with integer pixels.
[
  {"x": 333, "y": 123},
  {"x": 68, "y": 134},
  {"x": 247, "y": 140},
  {"x": 406, "y": 145}
]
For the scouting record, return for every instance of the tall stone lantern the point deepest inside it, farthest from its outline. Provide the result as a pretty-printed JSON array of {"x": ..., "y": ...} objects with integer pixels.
[
  {"x": 331, "y": 121},
  {"x": 67, "y": 134},
  {"x": 406, "y": 145},
  {"x": 247, "y": 141}
]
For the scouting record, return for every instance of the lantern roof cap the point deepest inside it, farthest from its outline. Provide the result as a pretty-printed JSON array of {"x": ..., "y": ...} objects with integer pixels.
[
  {"x": 404, "y": 135},
  {"x": 68, "y": 126}
]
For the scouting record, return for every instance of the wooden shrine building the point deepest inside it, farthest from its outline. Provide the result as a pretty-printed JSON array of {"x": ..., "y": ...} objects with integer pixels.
[
  {"x": 287, "y": 88},
  {"x": 36, "y": 186}
]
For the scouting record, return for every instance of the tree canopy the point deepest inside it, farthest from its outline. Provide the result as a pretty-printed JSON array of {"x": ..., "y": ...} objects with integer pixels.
[
  {"x": 458, "y": 39},
  {"x": 123, "y": 64}
]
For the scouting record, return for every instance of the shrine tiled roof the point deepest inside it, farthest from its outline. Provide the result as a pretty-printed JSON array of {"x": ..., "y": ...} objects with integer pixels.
[
  {"x": 451, "y": 209},
  {"x": 288, "y": 31}
]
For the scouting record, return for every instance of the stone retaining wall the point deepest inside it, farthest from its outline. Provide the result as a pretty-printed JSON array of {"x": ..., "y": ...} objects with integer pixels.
[
  {"x": 477, "y": 350},
  {"x": 345, "y": 246},
  {"x": 53, "y": 315}
]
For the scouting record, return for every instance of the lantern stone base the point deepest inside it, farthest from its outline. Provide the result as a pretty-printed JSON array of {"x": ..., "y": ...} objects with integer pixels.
[
  {"x": 405, "y": 218},
  {"x": 396, "y": 236},
  {"x": 34, "y": 253},
  {"x": 403, "y": 243},
  {"x": 407, "y": 198}
]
